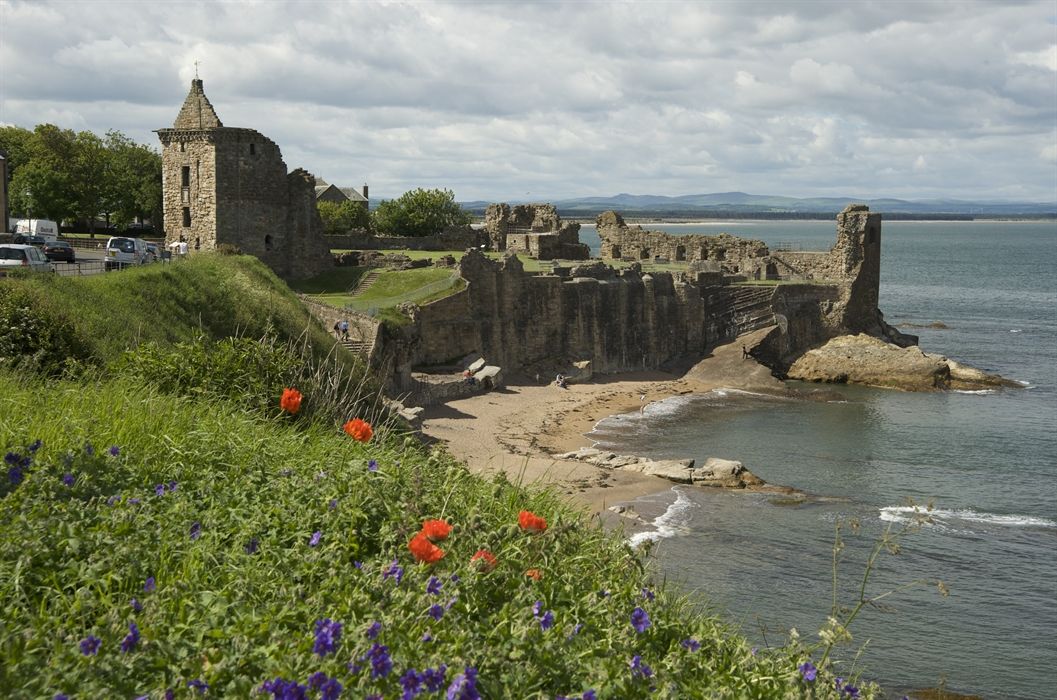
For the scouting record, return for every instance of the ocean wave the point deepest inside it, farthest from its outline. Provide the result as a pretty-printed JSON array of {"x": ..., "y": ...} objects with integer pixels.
[
  {"x": 673, "y": 521},
  {"x": 940, "y": 517},
  {"x": 974, "y": 391},
  {"x": 1015, "y": 330}
]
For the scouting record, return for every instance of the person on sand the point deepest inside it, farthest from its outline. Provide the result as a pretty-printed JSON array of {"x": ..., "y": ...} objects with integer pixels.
[
  {"x": 745, "y": 354},
  {"x": 560, "y": 381}
]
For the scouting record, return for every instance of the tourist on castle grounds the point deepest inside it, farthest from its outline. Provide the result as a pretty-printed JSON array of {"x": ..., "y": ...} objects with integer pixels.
[
  {"x": 344, "y": 329},
  {"x": 337, "y": 329},
  {"x": 745, "y": 353},
  {"x": 560, "y": 381}
]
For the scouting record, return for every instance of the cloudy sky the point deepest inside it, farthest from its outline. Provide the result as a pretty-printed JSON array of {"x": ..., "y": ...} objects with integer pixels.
[{"x": 552, "y": 100}]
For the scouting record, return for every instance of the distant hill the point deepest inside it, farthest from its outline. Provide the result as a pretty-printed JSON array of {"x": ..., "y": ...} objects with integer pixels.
[{"x": 744, "y": 205}]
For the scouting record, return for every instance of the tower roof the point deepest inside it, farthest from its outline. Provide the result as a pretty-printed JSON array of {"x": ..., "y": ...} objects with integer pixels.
[{"x": 197, "y": 112}]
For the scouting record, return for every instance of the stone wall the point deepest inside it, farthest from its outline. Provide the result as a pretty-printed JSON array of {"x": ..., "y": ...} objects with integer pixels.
[
  {"x": 535, "y": 230},
  {"x": 735, "y": 255}
]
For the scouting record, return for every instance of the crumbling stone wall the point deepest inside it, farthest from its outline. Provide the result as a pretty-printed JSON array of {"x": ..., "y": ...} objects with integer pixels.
[
  {"x": 740, "y": 256},
  {"x": 459, "y": 238},
  {"x": 224, "y": 185},
  {"x": 534, "y": 230}
]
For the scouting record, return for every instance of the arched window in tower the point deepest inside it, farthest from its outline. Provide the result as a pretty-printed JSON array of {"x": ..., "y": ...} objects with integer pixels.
[
  {"x": 268, "y": 242},
  {"x": 253, "y": 149}
]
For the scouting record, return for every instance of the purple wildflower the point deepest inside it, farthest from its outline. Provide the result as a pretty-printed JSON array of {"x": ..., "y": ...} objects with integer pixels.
[
  {"x": 433, "y": 679},
  {"x": 133, "y": 501},
  {"x": 136, "y": 605},
  {"x": 358, "y": 564},
  {"x": 88, "y": 449},
  {"x": 328, "y": 633},
  {"x": 114, "y": 450},
  {"x": 576, "y": 630},
  {"x": 196, "y": 530},
  {"x": 36, "y": 445},
  {"x": 149, "y": 585},
  {"x": 90, "y": 645},
  {"x": 373, "y": 630},
  {"x": 251, "y": 546},
  {"x": 169, "y": 694},
  {"x": 372, "y": 465},
  {"x": 316, "y": 680},
  {"x": 648, "y": 594},
  {"x": 426, "y": 637},
  {"x": 68, "y": 479},
  {"x": 433, "y": 585},
  {"x": 537, "y": 607},
  {"x": 159, "y": 490},
  {"x": 131, "y": 639},
  {"x": 464, "y": 687},
  {"x": 316, "y": 537},
  {"x": 547, "y": 621},
  {"x": 113, "y": 499},
  {"x": 808, "y": 671},
  {"x": 198, "y": 685},
  {"x": 640, "y": 620},
  {"x": 333, "y": 504},
  {"x": 330, "y": 690},
  {"x": 589, "y": 695},
  {"x": 640, "y": 669},
  {"x": 691, "y": 644},
  {"x": 282, "y": 689},
  {"x": 603, "y": 593},
  {"x": 173, "y": 485},
  {"x": 850, "y": 690},
  {"x": 395, "y": 571},
  {"x": 15, "y": 475},
  {"x": 411, "y": 682},
  {"x": 381, "y": 664},
  {"x": 12, "y": 458},
  {"x": 435, "y": 611},
  {"x": 61, "y": 696}
]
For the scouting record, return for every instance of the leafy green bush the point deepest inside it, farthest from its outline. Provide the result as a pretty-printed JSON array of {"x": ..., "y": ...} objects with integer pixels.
[
  {"x": 36, "y": 338},
  {"x": 419, "y": 213}
]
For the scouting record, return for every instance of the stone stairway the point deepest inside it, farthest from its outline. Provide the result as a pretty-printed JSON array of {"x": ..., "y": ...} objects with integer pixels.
[
  {"x": 360, "y": 347},
  {"x": 750, "y": 309},
  {"x": 365, "y": 282}
]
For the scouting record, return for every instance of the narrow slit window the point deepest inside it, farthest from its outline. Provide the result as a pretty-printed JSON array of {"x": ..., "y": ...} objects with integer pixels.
[
  {"x": 185, "y": 176},
  {"x": 187, "y": 217}
]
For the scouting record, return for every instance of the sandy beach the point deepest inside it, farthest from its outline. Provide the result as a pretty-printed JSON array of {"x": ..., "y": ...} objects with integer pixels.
[{"x": 520, "y": 427}]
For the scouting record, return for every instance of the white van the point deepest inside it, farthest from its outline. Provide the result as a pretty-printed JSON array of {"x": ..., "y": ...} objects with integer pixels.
[
  {"x": 48, "y": 230},
  {"x": 122, "y": 251}
]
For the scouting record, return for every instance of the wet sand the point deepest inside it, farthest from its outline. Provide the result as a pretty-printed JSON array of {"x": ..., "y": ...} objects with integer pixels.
[{"x": 520, "y": 427}]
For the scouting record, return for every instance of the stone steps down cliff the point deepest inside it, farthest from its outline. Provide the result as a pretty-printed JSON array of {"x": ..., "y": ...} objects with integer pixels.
[
  {"x": 360, "y": 347},
  {"x": 365, "y": 283},
  {"x": 750, "y": 309}
]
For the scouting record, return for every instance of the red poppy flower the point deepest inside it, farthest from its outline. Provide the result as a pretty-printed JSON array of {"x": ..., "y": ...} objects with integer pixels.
[
  {"x": 530, "y": 522},
  {"x": 436, "y": 530},
  {"x": 484, "y": 560},
  {"x": 291, "y": 400},
  {"x": 534, "y": 574},
  {"x": 424, "y": 550},
  {"x": 358, "y": 429}
]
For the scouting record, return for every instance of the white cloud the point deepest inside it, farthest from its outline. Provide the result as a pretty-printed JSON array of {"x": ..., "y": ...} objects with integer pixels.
[{"x": 569, "y": 99}]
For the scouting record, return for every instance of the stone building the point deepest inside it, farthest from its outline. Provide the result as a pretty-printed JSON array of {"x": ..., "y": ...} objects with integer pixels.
[
  {"x": 226, "y": 185},
  {"x": 332, "y": 193}
]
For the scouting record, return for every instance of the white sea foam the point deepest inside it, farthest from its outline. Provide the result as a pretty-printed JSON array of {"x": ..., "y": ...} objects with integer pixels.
[
  {"x": 1015, "y": 330},
  {"x": 670, "y": 523},
  {"x": 940, "y": 517},
  {"x": 974, "y": 391}
]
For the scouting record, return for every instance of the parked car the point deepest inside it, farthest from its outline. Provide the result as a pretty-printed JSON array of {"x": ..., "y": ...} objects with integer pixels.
[
  {"x": 30, "y": 239},
  {"x": 122, "y": 251},
  {"x": 60, "y": 250},
  {"x": 22, "y": 256},
  {"x": 153, "y": 252}
]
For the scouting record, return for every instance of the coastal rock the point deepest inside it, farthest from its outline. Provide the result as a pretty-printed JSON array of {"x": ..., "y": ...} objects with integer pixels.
[
  {"x": 670, "y": 469},
  {"x": 863, "y": 359},
  {"x": 725, "y": 473}
]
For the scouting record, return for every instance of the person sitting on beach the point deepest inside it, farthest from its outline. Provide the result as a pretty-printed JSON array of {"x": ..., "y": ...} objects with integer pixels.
[{"x": 560, "y": 381}]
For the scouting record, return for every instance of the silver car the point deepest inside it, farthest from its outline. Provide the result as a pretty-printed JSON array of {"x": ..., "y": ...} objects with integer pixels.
[{"x": 22, "y": 257}]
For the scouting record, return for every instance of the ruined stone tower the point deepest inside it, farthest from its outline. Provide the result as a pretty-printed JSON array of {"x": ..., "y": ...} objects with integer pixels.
[{"x": 229, "y": 185}]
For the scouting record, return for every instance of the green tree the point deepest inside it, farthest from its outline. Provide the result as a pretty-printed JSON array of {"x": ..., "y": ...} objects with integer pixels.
[
  {"x": 419, "y": 213},
  {"x": 134, "y": 180},
  {"x": 340, "y": 217}
]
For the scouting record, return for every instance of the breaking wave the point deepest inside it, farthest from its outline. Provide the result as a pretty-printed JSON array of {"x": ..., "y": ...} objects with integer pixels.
[
  {"x": 942, "y": 518},
  {"x": 671, "y": 522}
]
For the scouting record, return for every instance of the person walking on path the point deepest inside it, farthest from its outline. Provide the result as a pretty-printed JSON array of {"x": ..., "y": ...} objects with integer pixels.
[{"x": 344, "y": 329}]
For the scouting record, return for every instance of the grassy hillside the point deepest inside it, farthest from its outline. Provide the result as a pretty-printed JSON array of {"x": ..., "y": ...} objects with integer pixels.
[
  {"x": 98, "y": 317},
  {"x": 165, "y": 526}
]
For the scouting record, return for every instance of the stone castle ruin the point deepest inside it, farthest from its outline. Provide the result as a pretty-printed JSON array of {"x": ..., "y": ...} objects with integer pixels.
[
  {"x": 535, "y": 231},
  {"x": 226, "y": 185},
  {"x": 627, "y": 319}
]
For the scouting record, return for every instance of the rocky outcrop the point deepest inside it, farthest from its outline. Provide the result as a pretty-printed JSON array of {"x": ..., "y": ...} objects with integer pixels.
[
  {"x": 721, "y": 473},
  {"x": 863, "y": 359}
]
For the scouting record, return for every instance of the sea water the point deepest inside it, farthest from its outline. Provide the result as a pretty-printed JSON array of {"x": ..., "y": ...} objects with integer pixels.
[{"x": 984, "y": 462}]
